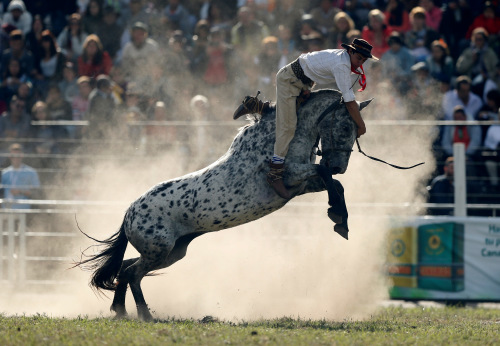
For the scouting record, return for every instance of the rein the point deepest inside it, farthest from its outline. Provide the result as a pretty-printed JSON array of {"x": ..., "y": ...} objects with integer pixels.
[{"x": 318, "y": 152}]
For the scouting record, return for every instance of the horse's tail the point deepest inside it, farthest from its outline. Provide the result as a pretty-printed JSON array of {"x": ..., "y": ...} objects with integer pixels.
[{"x": 106, "y": 264}]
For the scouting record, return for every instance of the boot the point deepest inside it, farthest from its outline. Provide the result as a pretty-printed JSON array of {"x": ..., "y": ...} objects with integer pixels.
[
  {"x": 275, "y": 180},
  {"x": 251, "y": 105}
]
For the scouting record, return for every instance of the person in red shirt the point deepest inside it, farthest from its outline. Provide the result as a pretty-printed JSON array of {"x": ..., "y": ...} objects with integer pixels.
[
  {"x": 487, "y": 20},
  {"x": 377, "y": 32},
  {"x": 94, "y": 59}
]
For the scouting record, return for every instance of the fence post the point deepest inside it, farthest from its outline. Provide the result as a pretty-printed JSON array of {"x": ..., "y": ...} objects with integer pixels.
[
  {"x": 2, "y": 219},
  {"x": 21, "y": 231},
  {"x": 10, "y": 248},
  {"x": 459, "y": 179}
]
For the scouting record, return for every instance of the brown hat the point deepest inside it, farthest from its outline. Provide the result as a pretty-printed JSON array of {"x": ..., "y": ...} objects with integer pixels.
[
  {"x": 362, "y": 47},
  {"x": 15, "y": 146}
]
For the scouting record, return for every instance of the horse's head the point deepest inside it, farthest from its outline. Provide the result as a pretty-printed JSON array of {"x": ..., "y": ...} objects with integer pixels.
[{"x": 338, "y": 133}]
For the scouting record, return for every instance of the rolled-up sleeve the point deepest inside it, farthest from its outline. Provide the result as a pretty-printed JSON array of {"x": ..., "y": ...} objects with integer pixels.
[{"x": 343, "y": 78}]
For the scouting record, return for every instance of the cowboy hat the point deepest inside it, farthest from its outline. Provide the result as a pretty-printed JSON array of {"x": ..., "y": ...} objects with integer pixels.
[{"x": 362, "y": 47}]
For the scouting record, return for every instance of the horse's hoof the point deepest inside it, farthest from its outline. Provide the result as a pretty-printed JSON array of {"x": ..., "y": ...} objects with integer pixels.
[
  {"x": 342, "y": 229},
  {"x": 335, "y": 217},
  {"x": 144, "y": 314}
]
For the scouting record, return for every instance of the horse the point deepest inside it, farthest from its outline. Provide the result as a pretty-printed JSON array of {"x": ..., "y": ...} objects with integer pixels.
[{"x": 232, "y": 191}]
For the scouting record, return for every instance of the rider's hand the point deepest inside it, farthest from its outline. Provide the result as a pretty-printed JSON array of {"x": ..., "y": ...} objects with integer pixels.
[{"x": 361, "y": 130}]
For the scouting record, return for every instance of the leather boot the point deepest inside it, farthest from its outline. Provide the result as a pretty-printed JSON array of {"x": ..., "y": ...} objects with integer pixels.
[
  {"x": 250, "y": 105},
  {"x": 275, "y": 180}
]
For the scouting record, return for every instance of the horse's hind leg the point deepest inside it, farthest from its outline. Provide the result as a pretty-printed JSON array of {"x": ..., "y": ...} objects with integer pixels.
[{"x": 118, "y": 305}]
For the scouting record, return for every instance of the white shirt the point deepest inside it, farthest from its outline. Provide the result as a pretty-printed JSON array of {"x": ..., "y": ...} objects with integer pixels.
[
  {"x": 323, "y": 66},
  {"x": 451, "y": 99},
  {"x": 492, "y": 139}
]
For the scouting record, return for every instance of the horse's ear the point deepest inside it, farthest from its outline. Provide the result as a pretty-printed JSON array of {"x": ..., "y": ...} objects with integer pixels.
[{"x": 363, "y": 104}]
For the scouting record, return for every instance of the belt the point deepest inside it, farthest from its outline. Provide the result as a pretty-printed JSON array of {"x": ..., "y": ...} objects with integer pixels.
[{"x": 299, "y": 73}]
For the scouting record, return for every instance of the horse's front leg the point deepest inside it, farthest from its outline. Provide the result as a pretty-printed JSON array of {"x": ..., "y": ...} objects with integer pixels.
[{"x": 314, "y": 178}]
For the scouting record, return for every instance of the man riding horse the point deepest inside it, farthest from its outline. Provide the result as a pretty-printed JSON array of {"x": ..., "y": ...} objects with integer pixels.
[{"x": 320, "y": 67}]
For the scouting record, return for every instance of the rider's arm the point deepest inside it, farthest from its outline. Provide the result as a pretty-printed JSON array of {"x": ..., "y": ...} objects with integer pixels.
[{"x": 353, "y": 109}]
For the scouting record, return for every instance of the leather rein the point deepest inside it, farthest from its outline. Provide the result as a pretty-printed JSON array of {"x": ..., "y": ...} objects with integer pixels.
[{"x": 318, "y": 152}]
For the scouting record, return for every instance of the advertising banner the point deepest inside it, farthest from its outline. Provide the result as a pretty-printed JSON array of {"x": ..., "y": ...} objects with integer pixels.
[{"x": 445, "y": 258}]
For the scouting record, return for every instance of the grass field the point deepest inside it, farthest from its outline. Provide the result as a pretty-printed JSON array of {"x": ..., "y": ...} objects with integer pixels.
[{"x": 394, "y": 325}]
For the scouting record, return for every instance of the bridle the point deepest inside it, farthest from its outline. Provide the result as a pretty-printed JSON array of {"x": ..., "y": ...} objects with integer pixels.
[{"x": 318, "y": 152}]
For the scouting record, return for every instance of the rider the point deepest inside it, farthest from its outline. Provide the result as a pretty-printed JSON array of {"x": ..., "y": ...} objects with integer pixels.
[{"x": 316, "y": 67}]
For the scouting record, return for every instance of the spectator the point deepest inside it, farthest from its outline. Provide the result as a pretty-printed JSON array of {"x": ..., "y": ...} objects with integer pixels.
[
  {"x": 342, "y": 24},
  {"x": 288, "y": 13},
  {"x": 92, "y": 17},
  {"x": 457, "y": 17},
  {"x": 421, "y": 97},
  {"x": 462, "y": 96},
  {"x": 359, "y": 10},
  {"x": 139, "y": 52},
  {"x": 323, "y": 15},
  {"x": 44, "y": 133},
  {"x": 80, "y": 103},
  {"x": 17, "y": 51},
  {"x": 18, "y": 16},
  {"x": 218, "y": 68},
  {"x": 26, "y": 94},
  {"x": 492, "y": 143},
  {"x": 433, "y": 14},
  {"x": 200, "y": 43},
  {"x": 160, "y": 137},
  {"x": 247, "y": 33},
  {"x": 94, "y": 59},
  {"x": 34, "y": 39},
  {"x": 68, "y": 85},
  {"x": 219, "y": 16},
  {"x": 12, "y": 78},
  {"x": 307, "y": 31},
  {"x": 179, "y": 18},
  {"x": 57, "y": 107},
  {"x": 268, "y": 61},
  {"x": 397, "y": 62},
  {"x": 478, "y": 56},
  {"x": 490, "y": 109},
  {"x": 439, "y": 62},
  {"x": 469, "y": 135},
  {"x": 487, "y": 20},
  {"x": 15, "y": 123},
  {"x": 376, "y": 32},
  {"x": 19, "y": 181},
  {"x": 101, "y": 112},
  {"x": 178, "y": 56},
  {"x": 134, "y": 112},
  {"x": 286, "y": 46},
  {"x": 51, "y": 65},
  {"x": 442, "y": 189},
  {"x": 396, "y": 16},
  {"x": 71, "y": 39},
  {"x": 420, "y": 36},
  {"x": 109, "y": 30}
]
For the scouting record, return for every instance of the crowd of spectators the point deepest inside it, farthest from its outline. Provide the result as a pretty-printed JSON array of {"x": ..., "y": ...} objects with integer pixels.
[{"x": 113, "y": 63}]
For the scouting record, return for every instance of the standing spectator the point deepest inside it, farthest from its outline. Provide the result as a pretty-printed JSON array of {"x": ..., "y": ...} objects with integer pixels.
[
  {"x": 18, "y": 16},
  {"x": 433, "y": 14},
  {"x": 68, "y": 85},
  {"x": 469, "y": 135},
  {"x": 323, "y": 16},
  {"x": 439, "y": 62},
  {"x": 101, "y": 113},
  {"x": 92, "y": 17},
  {"x": 342, "y": 24},
  {"x": 139, "y": 52},
  {"x": 248, "y": 32},
  {"x": 71, "y": 39},
  {"x": 19, "y": 181},
  {"x": 487, "y": 20},
  {"x": 57, "y": 107},
  {"x": 376, "y": 32},
  {"x": 457, "y": 17},
  {"x": 51, "y": 65},
  {"x": 17, "y": 51},
  {"x": 478, "y": 56},
  {"x": 397, "y": 63},
  {"x": 109, "y": 30},
  {"x": 420, "y": 36},
  {"x": 462, "y": 96},
  {"x": 94, "y": 59},
  {"x": 396, "y": 16}
]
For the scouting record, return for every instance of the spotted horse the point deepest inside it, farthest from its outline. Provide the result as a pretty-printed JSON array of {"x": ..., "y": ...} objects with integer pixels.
[{"x": 232, "y": 191}]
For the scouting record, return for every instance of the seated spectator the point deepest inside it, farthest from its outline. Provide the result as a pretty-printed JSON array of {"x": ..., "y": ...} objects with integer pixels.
[
  {"x": 442, "y": 190},
  {"x": 359, "y": 11},
  {"x": 92, "y": 17},
  {"x": 19, "y": 181},
  {"x": 17, "y": 16},
  {"x": 342, "y": 24},
  {"x": 492, "y": 142},
  {"x": 461, "y": 96},
  {"x": 68, "y": 85},
  {"x": 80, "y": 105},
  {"x": 57, "y": 107},
  {"x": 94, "y": 59},
  {"x": 17, "y": 51},
  {"x": 376, "y": 32},
  {"x": 396, "y": 16},
  {"x": 440, "y": 63},
  {"x": 487, "y": 20},
  {"x": 469, "y": 135},
  {"x": 15, "y": 123},
  {"x": 457, "y": 17},
  {"x": 200, "y": 43},
  {"x": 71, "y": 39},
  {"x": 179, "y": 18},
  {"x": 478, "y": 56},
  {"x": 26, "y": 94},
  {"x": 433, "y": 14},
  {"x": 109, "y": 31},
  {"x": 490, "y": 109},
  {"x": 324, "y": 15},
  {"x": 248, "y": 32},
  {"x": 307, "y": 30},
  {"x": 101, "y": 112},
  {"x": 397, "y": 63},
  {"x": 12, "y": 79},
  {"x": 51, "y": 65},
  {"x": 419, "y": 38},
  {"x": 423, "y": 96},
  {"x": 34, "y": 38}
]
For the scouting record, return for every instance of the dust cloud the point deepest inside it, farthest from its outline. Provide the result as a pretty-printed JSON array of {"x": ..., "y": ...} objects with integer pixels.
[{"x": 290, "y": 263}]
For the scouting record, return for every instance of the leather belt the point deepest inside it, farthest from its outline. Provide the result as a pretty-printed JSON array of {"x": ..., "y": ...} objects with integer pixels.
[{"x": 299, "y": 73}]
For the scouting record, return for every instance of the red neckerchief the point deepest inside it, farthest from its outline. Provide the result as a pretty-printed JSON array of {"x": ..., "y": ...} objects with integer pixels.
[{"x": 362, "y": 80}]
